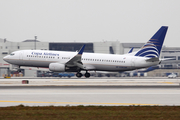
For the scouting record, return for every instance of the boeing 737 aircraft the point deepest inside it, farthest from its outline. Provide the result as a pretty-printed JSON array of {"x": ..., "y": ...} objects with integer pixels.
[{"x": 60, "y": 61}]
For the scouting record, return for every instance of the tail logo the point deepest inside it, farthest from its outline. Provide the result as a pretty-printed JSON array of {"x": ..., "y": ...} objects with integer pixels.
[{"x": 149, "y": 49}]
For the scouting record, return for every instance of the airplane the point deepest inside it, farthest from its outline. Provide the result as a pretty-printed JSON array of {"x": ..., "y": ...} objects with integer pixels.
[{"x": 61, "y": 61}]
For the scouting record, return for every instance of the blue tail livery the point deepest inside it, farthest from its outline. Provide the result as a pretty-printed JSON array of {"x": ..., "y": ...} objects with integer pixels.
[{"x": 153, "y": 47}]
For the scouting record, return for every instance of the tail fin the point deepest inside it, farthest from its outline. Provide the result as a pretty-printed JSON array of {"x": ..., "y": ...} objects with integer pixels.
[{"x": 153, "y": 47}]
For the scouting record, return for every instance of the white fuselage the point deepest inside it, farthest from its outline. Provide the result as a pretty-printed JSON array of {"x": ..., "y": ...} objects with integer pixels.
[{"x": 91, "y": 61}]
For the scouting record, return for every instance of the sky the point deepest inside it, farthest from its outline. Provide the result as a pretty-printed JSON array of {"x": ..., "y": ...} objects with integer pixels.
[{"x": 126, "y": 21}]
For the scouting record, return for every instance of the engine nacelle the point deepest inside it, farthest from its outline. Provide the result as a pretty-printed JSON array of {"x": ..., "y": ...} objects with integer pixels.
[{"x": 57, "y": 67}]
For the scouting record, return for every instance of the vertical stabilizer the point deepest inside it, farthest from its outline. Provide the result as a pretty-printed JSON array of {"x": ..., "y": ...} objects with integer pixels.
[{"x": 153, "y": 47}]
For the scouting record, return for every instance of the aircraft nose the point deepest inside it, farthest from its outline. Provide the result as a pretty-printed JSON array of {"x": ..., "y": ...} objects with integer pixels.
[{"x": 5, "y": 58}]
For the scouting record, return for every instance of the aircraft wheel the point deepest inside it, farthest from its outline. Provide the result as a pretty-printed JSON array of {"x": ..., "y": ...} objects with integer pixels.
[
  {"x": 79, "y": 75},
  {"x": 19, "y": 70},
  {"x": 87, "y": 75}
]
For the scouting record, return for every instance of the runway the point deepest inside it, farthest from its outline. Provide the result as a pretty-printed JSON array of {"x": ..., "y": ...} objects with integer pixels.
[{"x": 111, "y": 92}]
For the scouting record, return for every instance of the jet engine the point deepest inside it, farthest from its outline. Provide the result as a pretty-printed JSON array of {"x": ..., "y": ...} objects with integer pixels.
[{"x": 57, "y": 67}]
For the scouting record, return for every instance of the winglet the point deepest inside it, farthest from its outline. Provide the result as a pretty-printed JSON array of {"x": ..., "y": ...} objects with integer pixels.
[
  {"x": 131, "y": 50},
  {"x": 81, "y": 50}
]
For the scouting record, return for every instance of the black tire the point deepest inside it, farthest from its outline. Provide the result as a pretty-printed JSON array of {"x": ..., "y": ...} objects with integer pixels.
[
  {"x": 87, "y": 75},
  {"x": 19, "y": 70},
  {"x": 79, "y": 75}
]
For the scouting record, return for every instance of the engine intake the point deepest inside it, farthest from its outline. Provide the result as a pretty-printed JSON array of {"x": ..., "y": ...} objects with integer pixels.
[{"x": 57, "y": 67}]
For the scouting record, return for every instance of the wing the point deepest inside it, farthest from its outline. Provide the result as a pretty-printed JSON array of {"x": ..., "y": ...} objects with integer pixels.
[{"x": 76, "y": 60}]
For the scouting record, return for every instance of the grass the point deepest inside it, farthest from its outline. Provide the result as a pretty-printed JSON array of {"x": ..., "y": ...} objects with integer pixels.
[{"x": 90, "y": 113}]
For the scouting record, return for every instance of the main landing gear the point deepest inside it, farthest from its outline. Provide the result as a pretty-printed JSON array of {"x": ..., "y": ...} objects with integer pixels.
[
  {"x": 87, "y": 75},
  {"x": 79, "y": 75}
]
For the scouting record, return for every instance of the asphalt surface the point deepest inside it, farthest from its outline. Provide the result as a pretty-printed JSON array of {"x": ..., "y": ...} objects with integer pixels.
[{"x": 108, "y": 92}]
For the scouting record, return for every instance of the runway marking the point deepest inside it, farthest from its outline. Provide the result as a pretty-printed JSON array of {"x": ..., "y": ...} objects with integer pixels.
[
  {"x": 68, "y": 81},
  {"x": 81, "y": 103},
  {"x": 90, "y": 93},
  {"x": 167, "y": 82}
]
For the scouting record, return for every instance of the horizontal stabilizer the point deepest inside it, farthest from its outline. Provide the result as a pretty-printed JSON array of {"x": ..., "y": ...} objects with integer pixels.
[
  {"x": 154, "y": 59},
  {"x": 166, "y": 59}
]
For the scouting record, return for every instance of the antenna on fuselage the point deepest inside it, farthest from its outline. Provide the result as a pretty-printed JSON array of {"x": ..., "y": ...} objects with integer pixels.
[{"x": 35, "y": 42}]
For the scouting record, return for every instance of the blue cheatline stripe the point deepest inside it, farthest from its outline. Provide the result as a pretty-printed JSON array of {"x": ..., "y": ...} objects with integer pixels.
[{"x": 155, "y": 44}]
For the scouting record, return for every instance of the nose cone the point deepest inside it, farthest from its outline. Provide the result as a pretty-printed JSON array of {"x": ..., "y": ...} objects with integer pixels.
[{"x": 6, "y": 58}]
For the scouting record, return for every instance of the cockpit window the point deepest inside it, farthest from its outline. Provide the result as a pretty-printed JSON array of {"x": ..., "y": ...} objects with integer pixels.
[{"x": 12, "y": 54}]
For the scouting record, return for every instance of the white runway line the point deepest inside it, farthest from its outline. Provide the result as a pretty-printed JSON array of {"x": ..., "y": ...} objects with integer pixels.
[{"x": 89, "y": 93}]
